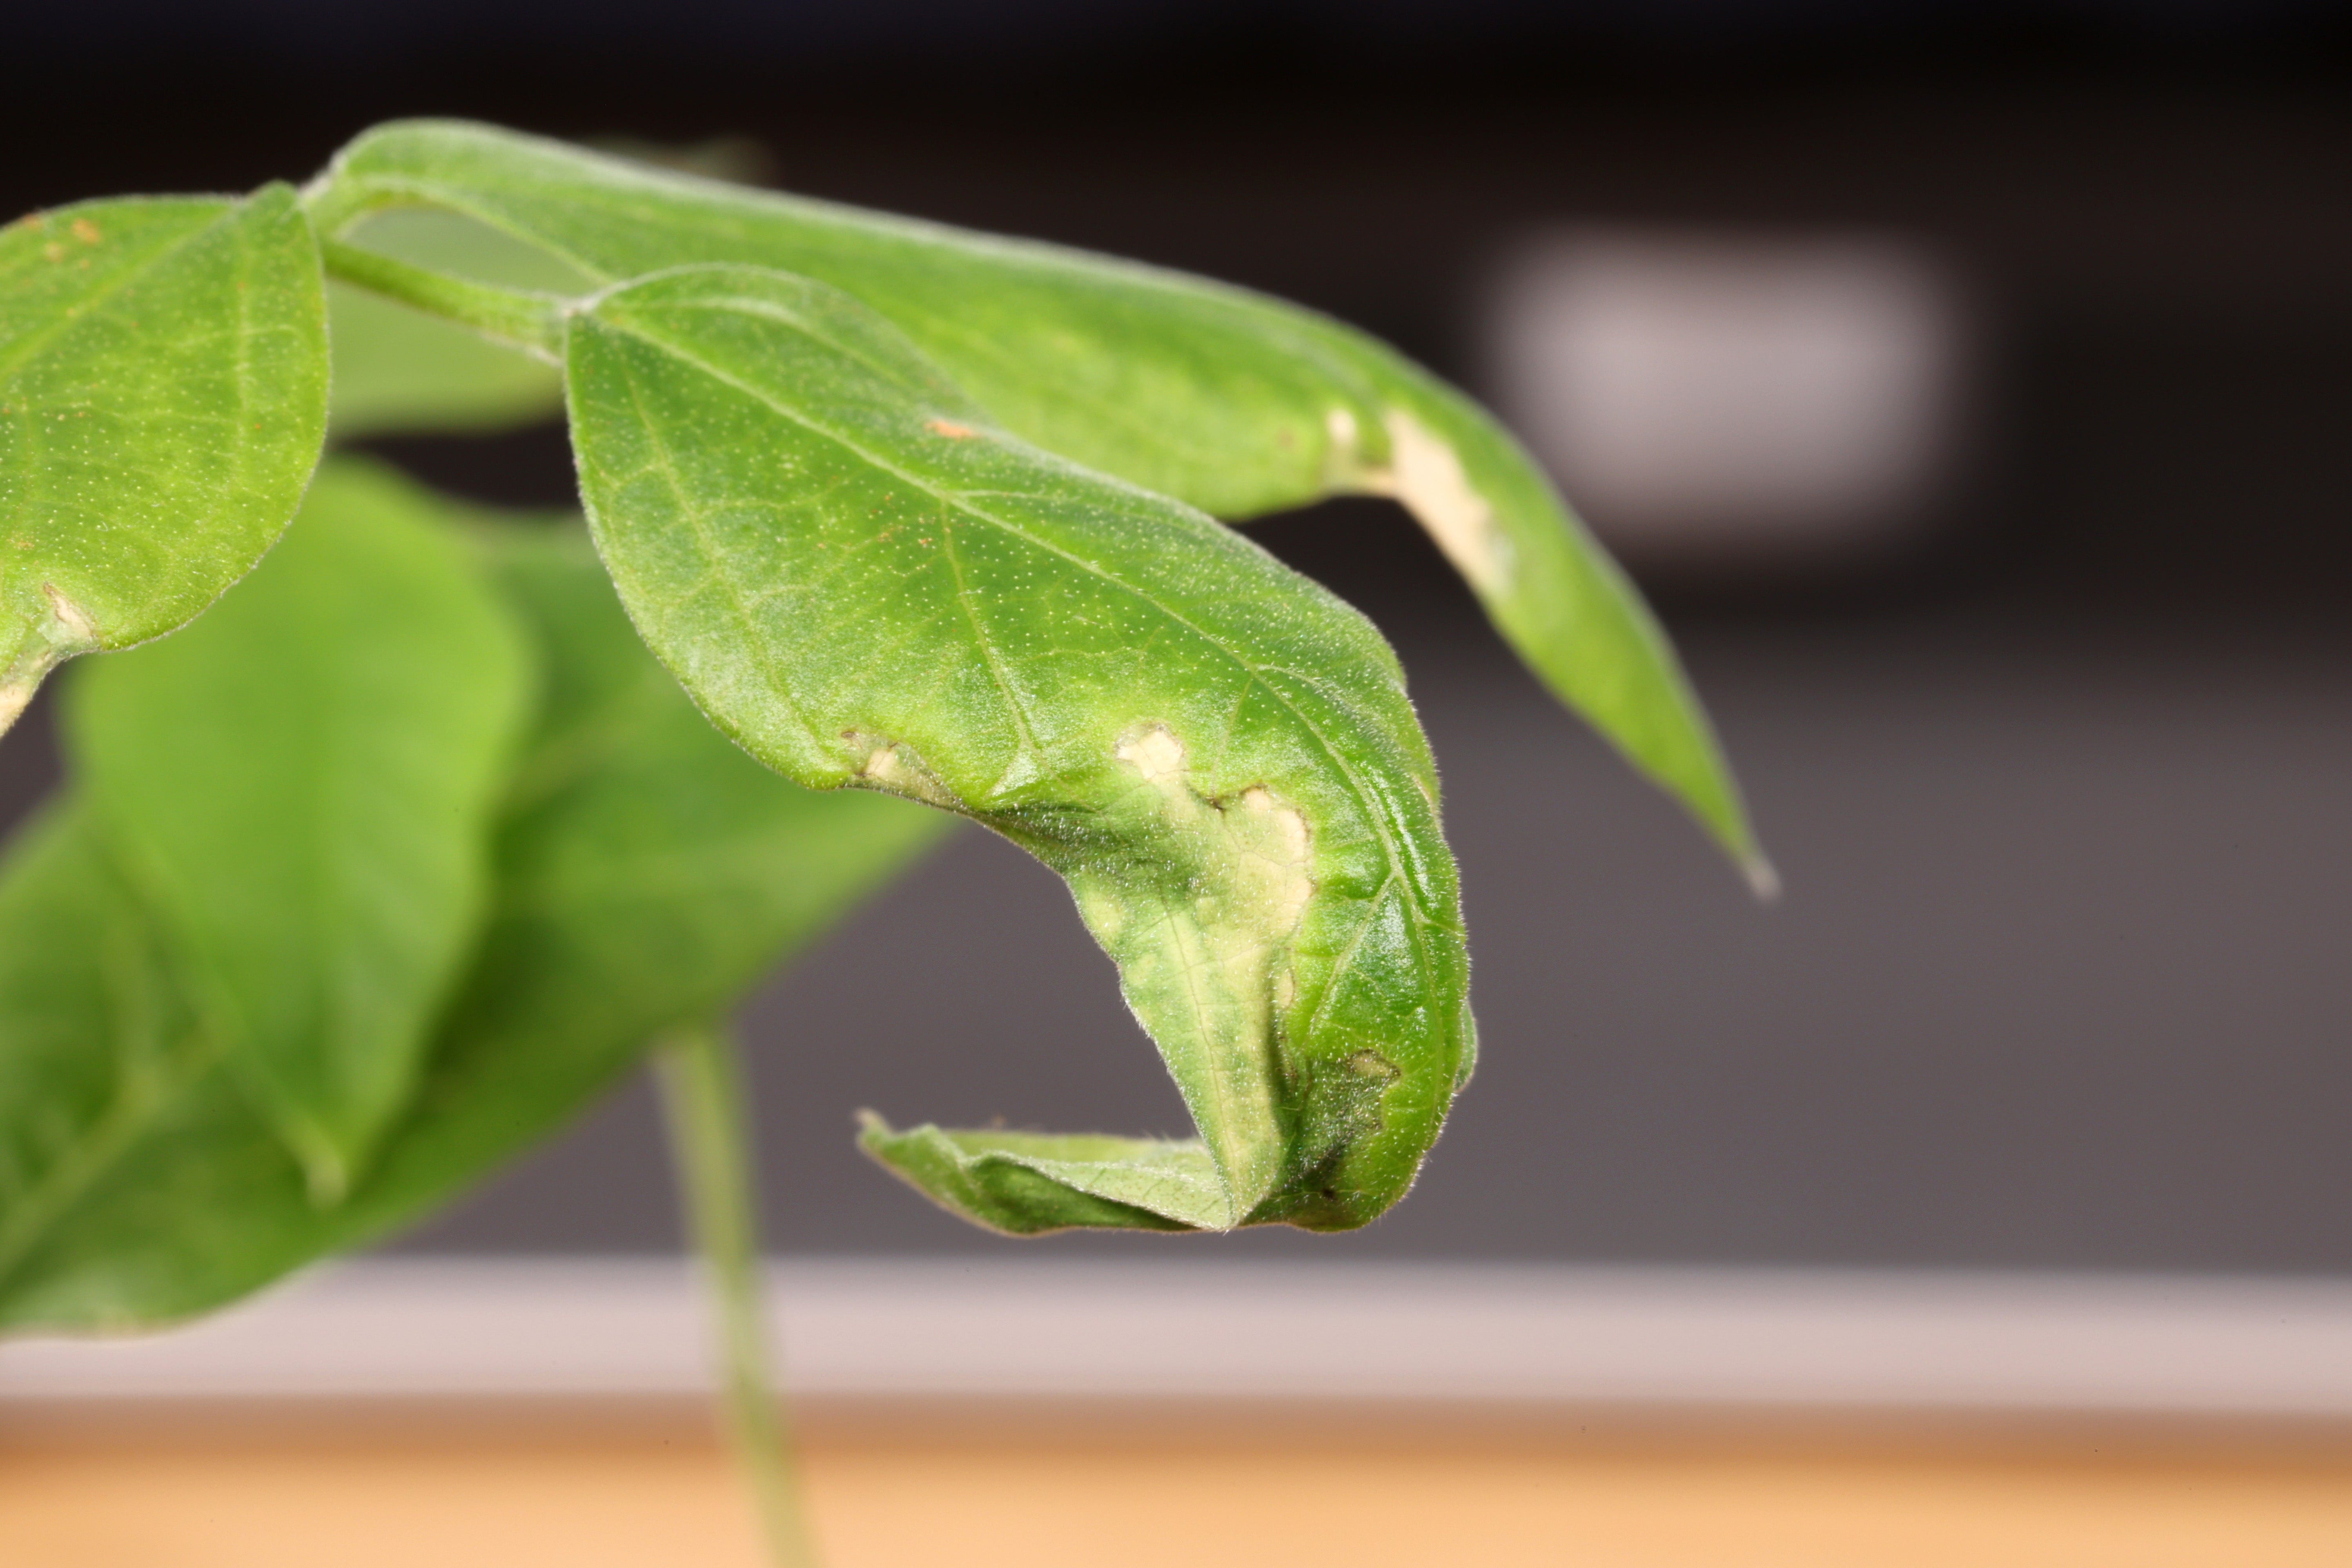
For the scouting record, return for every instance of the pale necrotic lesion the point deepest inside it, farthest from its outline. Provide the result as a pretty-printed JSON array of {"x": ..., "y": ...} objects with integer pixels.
[
  {"x": 1424, "y": 474},
  {"x": 1205, "y": 959},
  {"x": 59, "y": 632}
]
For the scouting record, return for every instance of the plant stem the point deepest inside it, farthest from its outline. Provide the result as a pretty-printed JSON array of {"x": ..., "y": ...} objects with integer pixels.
[
  {"x": 700, "y": 1074},
  {"x": 529, "y": 322}
]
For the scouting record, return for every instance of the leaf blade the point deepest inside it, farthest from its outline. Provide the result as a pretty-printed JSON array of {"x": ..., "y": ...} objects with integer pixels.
[
  {"x": 648, "y": 873},
  {"x": 302, "y": 783},
  {"x": 162, "y": 400},
  {"x": 96, "y": 1035}
]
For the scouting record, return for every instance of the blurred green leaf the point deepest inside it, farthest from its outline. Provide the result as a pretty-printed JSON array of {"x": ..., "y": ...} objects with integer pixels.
[
  {"x": 1233, "y": 402},
  {"x": 96, "y": 1039},
  {"x": 399, "y": 371},
  {"x": 867, "y": 584},
  {"x": 162, "y": 397},
  {"x": 302, "y": 784},
  {"x": 649, "y": 873}
]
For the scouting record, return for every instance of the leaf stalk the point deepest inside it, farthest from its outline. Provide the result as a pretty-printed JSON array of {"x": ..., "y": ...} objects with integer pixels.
[
  {"x": 700, "y": 1074},
  {"x": 518, "y": 318}
]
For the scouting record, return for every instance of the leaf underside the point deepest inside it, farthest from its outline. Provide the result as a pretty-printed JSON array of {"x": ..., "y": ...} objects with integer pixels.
[{"x": 1030, "y": 1183}]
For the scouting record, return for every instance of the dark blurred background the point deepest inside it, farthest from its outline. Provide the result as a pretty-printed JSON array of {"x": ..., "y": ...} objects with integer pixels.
[{"x": 1971, "y": 385}]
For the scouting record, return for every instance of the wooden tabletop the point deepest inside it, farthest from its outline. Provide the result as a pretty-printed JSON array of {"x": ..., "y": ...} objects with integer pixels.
[{"x": 605, "y": 1499}]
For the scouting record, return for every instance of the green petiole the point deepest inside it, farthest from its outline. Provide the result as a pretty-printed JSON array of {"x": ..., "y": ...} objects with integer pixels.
[
  {"x": 701, "y": 1076},
  {"x": 529, "y": 322}
]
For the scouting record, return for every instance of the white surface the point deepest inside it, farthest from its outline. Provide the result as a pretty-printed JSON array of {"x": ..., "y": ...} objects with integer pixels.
[
  {"x": 1728, "y": 394},
  {"x": 1555, "y": 1336}
]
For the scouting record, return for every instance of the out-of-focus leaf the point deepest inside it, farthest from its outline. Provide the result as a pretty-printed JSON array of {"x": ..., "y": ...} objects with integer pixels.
[
  {"x": 648, "y": 874},
  {"x": 869, "y": 584},
  {"x": 163, "y": 396},
  {"x": 95, "y": 1037},
  {"x": 1237, "y": 403},
  {"x": 302, "y": 783},
  {"x": 399, "y": 371}
]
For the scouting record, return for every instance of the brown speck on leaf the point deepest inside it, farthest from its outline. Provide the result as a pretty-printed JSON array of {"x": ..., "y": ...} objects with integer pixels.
[
  {"x": 921, "y": 539},
  {"x": 85, "y": 231},
  {"x": 54, "y": 251},
  {"x": 952, "y": 430},
  {"x": 22, "y": 543}
]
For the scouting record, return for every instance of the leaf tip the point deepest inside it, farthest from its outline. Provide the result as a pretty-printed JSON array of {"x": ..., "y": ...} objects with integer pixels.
[
  {"x": 327, "y": 1178},
  {"x": 325, "y": 1163}
]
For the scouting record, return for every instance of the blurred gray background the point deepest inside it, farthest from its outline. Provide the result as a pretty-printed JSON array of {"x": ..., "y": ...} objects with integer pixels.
[{"x": 2052, "y": 741}]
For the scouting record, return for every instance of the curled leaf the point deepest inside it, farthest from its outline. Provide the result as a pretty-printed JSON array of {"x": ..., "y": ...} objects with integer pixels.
[{"x": 869, "y": 584}]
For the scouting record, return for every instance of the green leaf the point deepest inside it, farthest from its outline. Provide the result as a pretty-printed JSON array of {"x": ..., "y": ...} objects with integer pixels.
[
  {"x": 94, "y": 1033},
  {"x": 400, "y": 371},
  {"x": 867, "y": 585},
  {"x": 649, "y": 873},
  {"x": 1030, "y": 1183},
  {"x": 162, "y": 398},
  {"x": 1237, "y": 403},
  {"x": 302, "y": 783}
]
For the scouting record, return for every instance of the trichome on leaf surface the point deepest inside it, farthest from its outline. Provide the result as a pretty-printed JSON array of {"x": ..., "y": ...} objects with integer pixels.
[{"x": 432, "y": 825}]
